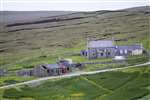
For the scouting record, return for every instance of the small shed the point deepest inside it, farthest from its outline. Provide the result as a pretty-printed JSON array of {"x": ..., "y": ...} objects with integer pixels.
[{"x": 51, "y": 69}]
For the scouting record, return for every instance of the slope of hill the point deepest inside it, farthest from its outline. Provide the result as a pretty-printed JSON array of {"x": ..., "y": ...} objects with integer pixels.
[
  {"x": 23, "y": 16},
  {"x": 142, "y": 9},
  {"x": 44, "y": 35}
]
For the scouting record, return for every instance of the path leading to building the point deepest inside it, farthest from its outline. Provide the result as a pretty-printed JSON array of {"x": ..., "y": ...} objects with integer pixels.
[{"x": 71, "y": 75}]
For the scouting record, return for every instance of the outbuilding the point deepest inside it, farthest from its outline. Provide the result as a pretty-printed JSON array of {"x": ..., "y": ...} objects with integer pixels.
[{"x": 59, "y": 68}]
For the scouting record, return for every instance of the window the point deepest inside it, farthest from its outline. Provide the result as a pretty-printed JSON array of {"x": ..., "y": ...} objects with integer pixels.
[
  {"x": 52, "y": 71},
  {"x": 102, "y": 54},
  {"x": 67, "y": 68},
  {"x": 121, "y": 52},
  {"x": 48, "y": 71},
  {"x": 85, "y": 53},
  {"x": 125, "y": 51},
  {"x": 99, "y": 50}
]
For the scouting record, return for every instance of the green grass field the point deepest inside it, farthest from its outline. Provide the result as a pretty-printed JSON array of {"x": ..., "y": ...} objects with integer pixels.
[{"x": 130, "y": 84}]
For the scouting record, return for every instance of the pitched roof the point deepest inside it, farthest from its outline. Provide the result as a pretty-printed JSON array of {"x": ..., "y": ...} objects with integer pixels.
[
  {"x": 135, "y": 46},
  {"x": 100, "y": 43},
  {"x": 50, "y": 66}
]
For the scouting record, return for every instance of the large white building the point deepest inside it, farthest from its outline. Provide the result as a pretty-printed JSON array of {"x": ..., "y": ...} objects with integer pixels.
[{"x": 107, "y": 48}]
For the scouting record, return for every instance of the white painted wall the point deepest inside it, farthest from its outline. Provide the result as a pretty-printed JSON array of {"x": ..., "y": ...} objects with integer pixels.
[{"x": 137, "y": 52}]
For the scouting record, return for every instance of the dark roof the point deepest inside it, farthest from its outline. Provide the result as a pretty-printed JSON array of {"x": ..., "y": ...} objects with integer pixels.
[
  {"x": 132, "y": 47},
  {"x": 50, "y": 66},
  {"x": 100, "y": 43}
]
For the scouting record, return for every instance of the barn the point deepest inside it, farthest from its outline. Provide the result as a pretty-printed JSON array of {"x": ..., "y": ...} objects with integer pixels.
[
  {"x": 59, "y": 68},
  {"x": 50, "y": 70}
]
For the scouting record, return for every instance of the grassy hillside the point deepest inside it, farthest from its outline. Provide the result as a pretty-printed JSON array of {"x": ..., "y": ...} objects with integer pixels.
[
  {"x": 130, "y": 84},
  {"x": 52, "y": 36},
  {"x": 9, "y": 17}
]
